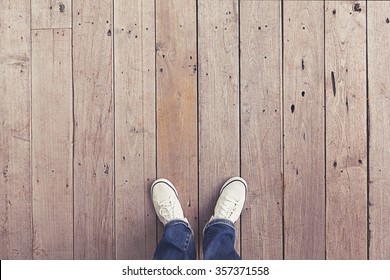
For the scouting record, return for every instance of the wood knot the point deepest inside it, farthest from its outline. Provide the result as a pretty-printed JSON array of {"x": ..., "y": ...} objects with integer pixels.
[
  {"x": 356, "y": 7},
  {"x": 61, "y": 7},
  {"x": 106, "y": 168}
]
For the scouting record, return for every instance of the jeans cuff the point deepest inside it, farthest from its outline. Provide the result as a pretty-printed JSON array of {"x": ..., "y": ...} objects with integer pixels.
[
  {"x": 218, "y": 222},
  {"x": 177, "y": 222}
]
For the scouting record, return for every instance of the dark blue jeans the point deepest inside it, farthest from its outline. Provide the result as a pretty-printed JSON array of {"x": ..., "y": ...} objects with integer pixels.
[{"x": 178, "y": 243}]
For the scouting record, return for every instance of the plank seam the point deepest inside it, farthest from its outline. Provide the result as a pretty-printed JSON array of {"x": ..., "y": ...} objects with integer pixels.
[
  {"x": 73, "y": 136},
  {"x": 114, "y": 255},
  {"x": 143, "y": 125},
  {"x": 325, "y": 121},
  {"x": 155, "y": 101},
  {"x": 239, "y": 104},
  {"x": 368, "y": 141},
  {"x": 54, "y": 28},
  {"x": 282, "y": 125},
  {"x": 197, "y": 122},
  {"x": 31, "y": 145}
]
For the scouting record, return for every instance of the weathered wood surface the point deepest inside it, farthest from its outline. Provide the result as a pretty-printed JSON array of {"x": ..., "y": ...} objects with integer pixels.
[
  {"x": 304, "y": 166},
  {"x": 51, "y": 14},
  {"x": 94, "y": 130},
  {"x": 15, "y": 127},
  {"x": 176, "y": 74},
  {"x": 346, "y": 137},
  {"x": 195, "y": 91},
  {"x": 135, "y": 136},
  {"x": 261, "y": 166},
  {"x": 52, "y": 136}
]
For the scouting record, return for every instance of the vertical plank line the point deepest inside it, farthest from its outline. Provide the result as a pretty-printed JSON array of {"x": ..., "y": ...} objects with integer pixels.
[
  {"x": 239, "y": 103},
  {"x": 155, "y": 103},
  {"x": 114, "y": 134},
  {"x": 73, "y": 129},
  {"x": 368, "y": 140},
  {"x": 325, "y": 123},
  {"x": 31, "y": 141},
  {"x": 155, "y": 99},
  {"x": 199, "y": 247},
  {"x": 143, "y": 114},
  {"x": 155, "y": 109},
  {"x": 282, "y": 117}
]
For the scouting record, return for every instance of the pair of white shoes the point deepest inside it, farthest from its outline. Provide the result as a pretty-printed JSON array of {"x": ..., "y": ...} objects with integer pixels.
[{"x": 229, "y": 204}]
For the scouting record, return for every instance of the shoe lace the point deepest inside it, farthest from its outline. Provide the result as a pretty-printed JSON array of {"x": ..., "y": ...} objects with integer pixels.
[
  {"x": 166, "y": 208},
  {"x": 228, "y": 207}
]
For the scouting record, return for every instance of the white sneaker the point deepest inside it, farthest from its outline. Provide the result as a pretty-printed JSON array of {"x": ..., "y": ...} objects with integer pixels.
[
  {"x": 231, "y": 200},
  {"x": 166, "y": 202}
]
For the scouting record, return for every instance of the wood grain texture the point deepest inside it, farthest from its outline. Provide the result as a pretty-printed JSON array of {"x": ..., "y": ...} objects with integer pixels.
[
  {"x": 52, "y": 144},
  {"x": 346, "y": 137},
  {"x": 94, "y": 130},
  {"x": 379, "y": 123},
  {"x": 135, "y": 146},
  {"x": 304, "y": 170},
  {"x": 262, "y": 230},
  {"x": 15, "y": 110},
  {"x": 177, "y": 101},
  {"x": 51, "y": 14},
  {"x": 138, "y": 112},
  {"x": 219, "y": 151}
]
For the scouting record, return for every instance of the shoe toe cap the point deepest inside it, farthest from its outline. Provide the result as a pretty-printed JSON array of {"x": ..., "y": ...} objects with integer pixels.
[
  {"x": 235, "y": 190},
  {"x": 163, "y": 189}
]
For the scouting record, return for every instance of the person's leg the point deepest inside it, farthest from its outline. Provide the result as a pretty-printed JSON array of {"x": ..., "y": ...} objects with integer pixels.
[
  {"x": 177, "y": 242},
  {"x": 219, "y": 233},
  {"x": 218, "y": 241}
]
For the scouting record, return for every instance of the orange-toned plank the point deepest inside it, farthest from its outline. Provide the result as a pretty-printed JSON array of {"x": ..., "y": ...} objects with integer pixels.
[{"x": 176, "y": 68}]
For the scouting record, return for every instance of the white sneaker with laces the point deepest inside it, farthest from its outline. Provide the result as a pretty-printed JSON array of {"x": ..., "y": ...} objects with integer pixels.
[
  {"x": 231, "y": 200},
  {"x": 166, "y": 202}
]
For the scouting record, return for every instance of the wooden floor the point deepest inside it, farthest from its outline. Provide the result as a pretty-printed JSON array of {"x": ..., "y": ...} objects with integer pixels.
[{"x": 100, "y": 98}]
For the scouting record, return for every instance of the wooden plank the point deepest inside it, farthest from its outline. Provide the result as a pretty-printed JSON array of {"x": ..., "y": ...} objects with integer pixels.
[
  {"x": 379, "y": 116},
  {"x": 260, "y": 36},
  {"x": 346, "y": 138},
  {"x": 135, "y": 136},
  {"x": 15, "y": 109},
  {"x": 304, "y": 159},
  {"x": 177, "y": 101},
  {"x": 219, "y": 151},
  {"x": 52, "y": 144},
  {"x": 51, "y": 14},
  {"x": 94, "y": 130}
]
